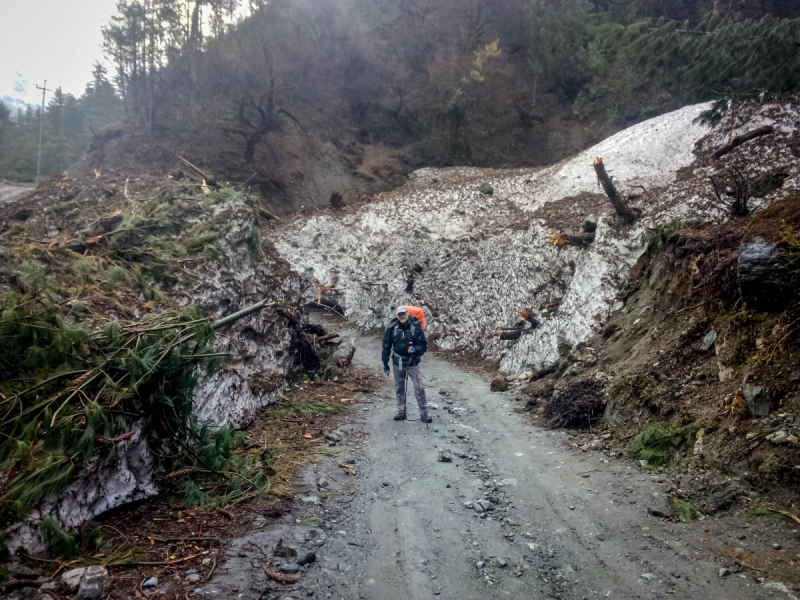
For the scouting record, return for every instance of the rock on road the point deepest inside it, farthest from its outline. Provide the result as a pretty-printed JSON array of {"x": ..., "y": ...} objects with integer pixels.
[{"x": 516, "y": 514}]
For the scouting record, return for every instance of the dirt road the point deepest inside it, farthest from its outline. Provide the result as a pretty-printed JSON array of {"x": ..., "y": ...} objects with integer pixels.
[{"x": 516, "y": 514}]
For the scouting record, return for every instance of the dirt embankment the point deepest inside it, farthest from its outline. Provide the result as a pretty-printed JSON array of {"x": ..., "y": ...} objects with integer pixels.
[
  {"x": 291, "y": 170},
  {"x": 697, "y": 372}
]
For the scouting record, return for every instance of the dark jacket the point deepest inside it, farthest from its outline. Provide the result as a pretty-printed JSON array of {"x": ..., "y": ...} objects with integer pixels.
[{"x": 396, "y": 341}]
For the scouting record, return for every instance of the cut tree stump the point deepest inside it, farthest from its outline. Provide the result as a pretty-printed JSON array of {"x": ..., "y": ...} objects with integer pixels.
[
  {"x": 741, "y": 139},
  {"x": 622, "y": 208}
]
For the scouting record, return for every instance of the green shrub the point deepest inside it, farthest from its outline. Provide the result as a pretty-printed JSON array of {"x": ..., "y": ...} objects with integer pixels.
[
  {"x": 656, "y": 238},
  {"x": 685, "y": 511},
  {"x": 254, "y": 244},
  {"x": 654, "y": 444},
  {"x": 59, "y": 542}
]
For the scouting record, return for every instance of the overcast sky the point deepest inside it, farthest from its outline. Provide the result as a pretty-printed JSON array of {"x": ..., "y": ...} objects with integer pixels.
[{"x": 57, "y": 40}]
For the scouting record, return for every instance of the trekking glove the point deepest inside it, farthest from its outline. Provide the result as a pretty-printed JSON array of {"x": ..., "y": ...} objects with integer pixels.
[{"x": 386, "y": 369}]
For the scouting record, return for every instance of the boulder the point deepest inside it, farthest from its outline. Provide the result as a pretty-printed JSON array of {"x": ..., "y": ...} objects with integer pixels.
[
  {"x": 610, "y": 330},
  {"x": 309, "y": 558},
  {"x": 585, "y": 355},
  {"x": 708, "y": 341},
  {"x": 720, "y": 500},
  {"x": 765, "y": 279},
  {"x": 487, "y": 189},
  {"x": 499, "y": 384},
  {"x": 778, "y": 437},
  {"x": 594, "y": 445},
  {"x": 94, "y": 584},
  {"x": 539, "y": 389},
  {"x": 346, "y": 344},
  {"x": 71, "y": 580},
  {"x": 564, "y": 345},
  {"x": 290, "y": 568},
  {"x": 758, "y": 400}
]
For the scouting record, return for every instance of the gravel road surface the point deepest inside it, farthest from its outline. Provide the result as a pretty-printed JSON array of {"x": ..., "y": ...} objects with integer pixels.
[{"x": 517, "y": 513}]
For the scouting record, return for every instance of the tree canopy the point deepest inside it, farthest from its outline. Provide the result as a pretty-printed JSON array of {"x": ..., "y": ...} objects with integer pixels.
[{"x": 478, "y": 82}]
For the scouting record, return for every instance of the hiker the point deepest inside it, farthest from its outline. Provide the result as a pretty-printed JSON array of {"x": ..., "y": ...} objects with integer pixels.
[{"x": 405, "y": 342}]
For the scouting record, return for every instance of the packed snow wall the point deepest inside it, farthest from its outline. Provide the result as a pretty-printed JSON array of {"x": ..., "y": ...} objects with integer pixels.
[{"x": 472, "y": 259}]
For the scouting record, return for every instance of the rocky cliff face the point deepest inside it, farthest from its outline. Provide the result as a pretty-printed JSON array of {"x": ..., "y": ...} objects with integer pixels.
[{"x": 472, "y": 259}]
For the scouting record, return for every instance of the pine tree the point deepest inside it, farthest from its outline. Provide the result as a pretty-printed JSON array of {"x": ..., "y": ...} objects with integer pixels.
[{"x": 722, "y": 58}]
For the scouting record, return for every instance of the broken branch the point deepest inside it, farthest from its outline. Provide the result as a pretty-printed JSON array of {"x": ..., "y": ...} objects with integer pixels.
[
  {"x": 738, "y": 140},
  {"x": 116, "y": 440},
  {"x": 174, "y": 561},
  {"x": 241, "y": 314},
  {"x": 509, "y": 335},
  {"x": 279, "y": 577},
  {"x": 622, "y": 208},
  {"x": 192, "y": 167}
]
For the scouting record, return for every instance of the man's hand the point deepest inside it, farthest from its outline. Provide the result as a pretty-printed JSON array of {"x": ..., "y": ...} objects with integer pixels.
[
  {"x": 386, "y": 369},
  {"x": 411, "y": 349}
]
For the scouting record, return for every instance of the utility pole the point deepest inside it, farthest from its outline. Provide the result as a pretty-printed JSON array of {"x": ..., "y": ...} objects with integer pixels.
[{"x": 41, "y": 126}]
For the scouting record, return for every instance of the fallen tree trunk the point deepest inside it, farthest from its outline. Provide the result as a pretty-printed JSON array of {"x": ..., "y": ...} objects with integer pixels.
[
  {"x": 513, "y": 334},
  {"x": 584, "y": 239},
  {"x": 741, "y": 139},
  {"x": 241, "y": 314},
  {"x": 622, "y": 208},
  {"x": 325, "y": 338},
  {"x": 266, "y": 214}
]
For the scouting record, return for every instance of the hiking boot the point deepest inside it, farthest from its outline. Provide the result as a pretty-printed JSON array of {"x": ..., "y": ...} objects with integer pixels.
[{"x": 400, "y": 416}]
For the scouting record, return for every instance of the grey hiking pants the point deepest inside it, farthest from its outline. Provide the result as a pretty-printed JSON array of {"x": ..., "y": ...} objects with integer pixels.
[{"x": 408, "y": 372}]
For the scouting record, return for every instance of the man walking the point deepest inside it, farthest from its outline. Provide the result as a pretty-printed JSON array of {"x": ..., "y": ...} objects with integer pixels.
[{"x": 404, "y": 341}]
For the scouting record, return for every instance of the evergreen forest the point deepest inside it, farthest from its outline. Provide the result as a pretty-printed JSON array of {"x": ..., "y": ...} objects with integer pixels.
[{"x": 475, "y": 82}]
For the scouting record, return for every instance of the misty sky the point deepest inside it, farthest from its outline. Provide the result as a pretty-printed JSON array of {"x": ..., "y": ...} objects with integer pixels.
[{"x": 57, "y": 40}]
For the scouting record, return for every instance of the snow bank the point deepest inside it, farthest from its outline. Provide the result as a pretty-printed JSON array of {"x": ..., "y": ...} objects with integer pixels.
[{"x": 472, "y": 260}]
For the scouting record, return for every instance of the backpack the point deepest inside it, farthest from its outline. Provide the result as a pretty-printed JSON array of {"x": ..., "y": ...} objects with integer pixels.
[{"x": 417, "y": 312}]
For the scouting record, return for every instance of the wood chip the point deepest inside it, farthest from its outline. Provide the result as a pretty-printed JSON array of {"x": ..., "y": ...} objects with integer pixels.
[{"x": 279, "y": 577}]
